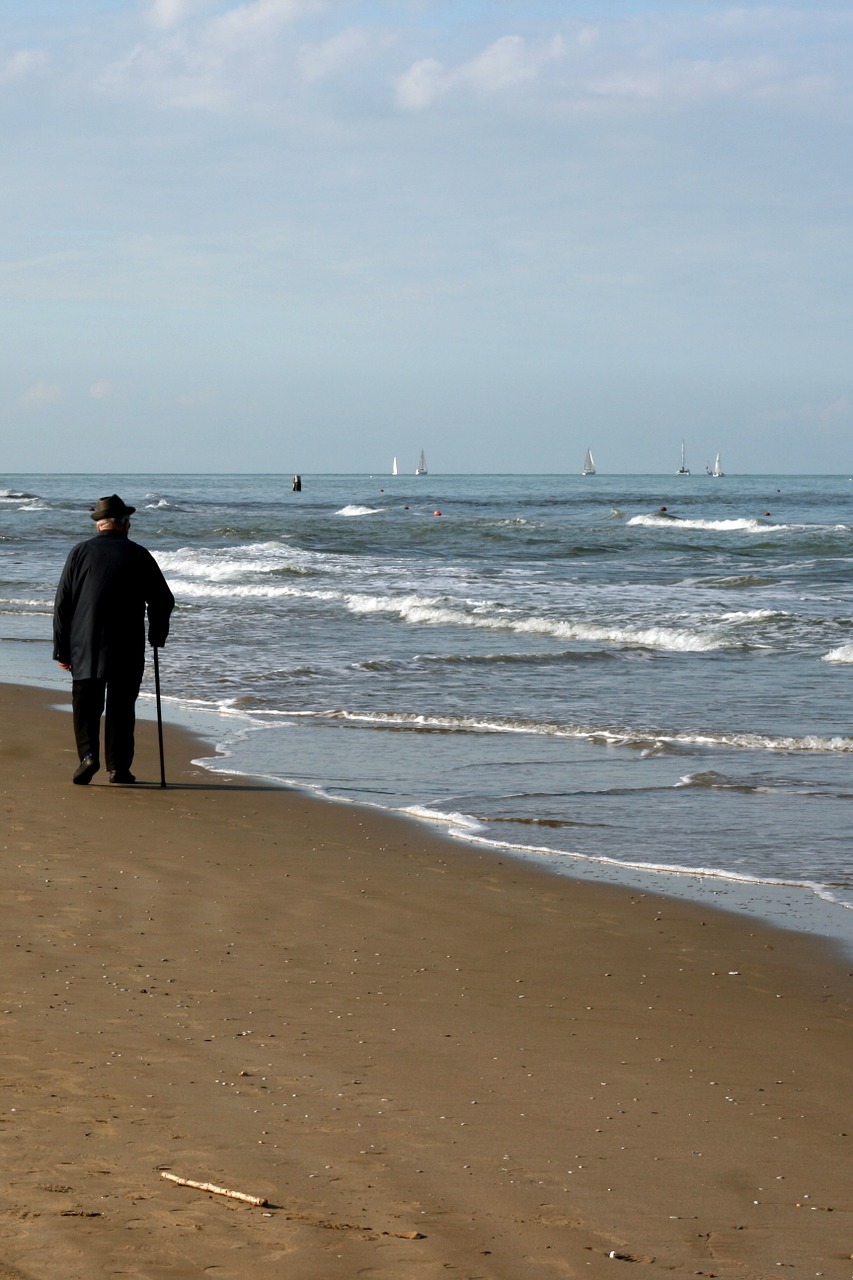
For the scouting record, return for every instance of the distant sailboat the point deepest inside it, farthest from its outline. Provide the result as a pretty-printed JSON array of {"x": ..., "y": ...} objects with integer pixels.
[
  {"x": 718, "y": 470},
  {"x": 420, "y": 469},
  {"x": 683, "y": 470},
  {"x": 588, "y": 464},
  {"x": 394, "y": 471}
]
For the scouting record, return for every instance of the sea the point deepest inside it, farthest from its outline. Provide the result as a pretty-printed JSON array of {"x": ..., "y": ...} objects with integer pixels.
[{"x": 638, "y": 679}]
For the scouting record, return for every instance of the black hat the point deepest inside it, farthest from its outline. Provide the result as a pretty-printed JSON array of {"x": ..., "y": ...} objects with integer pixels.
[{"x": 111, "y": 508}]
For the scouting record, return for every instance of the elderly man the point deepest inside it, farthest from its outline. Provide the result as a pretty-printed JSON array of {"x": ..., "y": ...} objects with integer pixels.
[{"x": 99, "y": 636}]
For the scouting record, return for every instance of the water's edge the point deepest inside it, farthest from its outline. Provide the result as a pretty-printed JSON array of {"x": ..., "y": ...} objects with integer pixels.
[{"x": 786, "y": 907}]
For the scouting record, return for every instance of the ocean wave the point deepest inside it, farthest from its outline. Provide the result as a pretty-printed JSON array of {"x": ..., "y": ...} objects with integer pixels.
[
  {"x": 233, "y": 563},
  {"x": 14, "y": 604},
  {"x": 186, "y": 589},
  {"x": 735, "y": 581},
  {"x": 744, "y": 525},
  {"x": 545, "y": 854},
  {"x": 710, "y": 779},
  {"x": 560, "y": 656},
  {"x": 738, "y": 616},
  {"x": 16, "y": 495},
  {"x": 637, "y": 738},
  {"x": 437, "y": 612},
  {"x": 215, "y": 578},
  {"x": 354, "y": 510},
  {"x": 460, "y": 821},
  {"x": 843, "y": 654}
]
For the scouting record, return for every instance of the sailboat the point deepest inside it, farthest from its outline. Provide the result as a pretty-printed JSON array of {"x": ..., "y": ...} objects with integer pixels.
[
  {"x": 588, "y": 464},
  {"x": 683, "y": 470},
  {"x": 718, "y": 470},
  {"x": 420, "y": 469},
  {"x": 394, "y": 470}
]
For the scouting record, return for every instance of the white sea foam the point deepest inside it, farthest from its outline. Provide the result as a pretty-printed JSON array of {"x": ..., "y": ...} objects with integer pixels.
[
  {"x": 185, "y": 589},
  {"x": 738, "y": 616},
  {"x": 437, "y": 612},
  {"x": 745, "y": 525},
  {"x": 843, "y": 654},
  {"x": 234, "y": 563},
  {"x": 216, "y": 580},
  {"x": 462, "y": 822},
  {"x": 23, "y": 602},
  {"x": 659, "y": 868},
  {"x": 16, "y": 495},
  {"x": 604, "y": 735},
  {"x": 354, "y": 509}
]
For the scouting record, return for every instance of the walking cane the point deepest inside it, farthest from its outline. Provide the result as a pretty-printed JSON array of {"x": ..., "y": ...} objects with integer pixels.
[{"x": 159, "y": 717}]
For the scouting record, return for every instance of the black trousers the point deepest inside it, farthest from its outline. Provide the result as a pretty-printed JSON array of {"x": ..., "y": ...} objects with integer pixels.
[{"x": 87, "y": 704}]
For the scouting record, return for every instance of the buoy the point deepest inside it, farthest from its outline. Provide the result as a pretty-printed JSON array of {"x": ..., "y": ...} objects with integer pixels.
[{"x": 436, "y": 513}]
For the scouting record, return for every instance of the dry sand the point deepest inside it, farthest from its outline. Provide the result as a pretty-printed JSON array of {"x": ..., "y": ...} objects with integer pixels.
[{"x": 430, "y": 1061}]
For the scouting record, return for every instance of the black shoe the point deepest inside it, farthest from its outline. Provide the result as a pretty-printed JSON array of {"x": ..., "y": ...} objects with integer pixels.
[
  {"x": 122, "y": 775},
  {"x": 85, "y": 771}
]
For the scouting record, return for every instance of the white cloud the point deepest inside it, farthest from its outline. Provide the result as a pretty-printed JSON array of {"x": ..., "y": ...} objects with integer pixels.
[
  {"x": 250, "y": 22},
  {"x": 25, "y": 62},
  {"x": 320, "y": 61},
  {"x": 207, "y": 63},
  {"x": 166, "y": 14},
  {"x": 508, "y": 62},
  {"x": 419, "y": 87},
  {"x": 745, "y": 55},
  {"x": 40, "y": 394},
  {"x": 101, "y": 390},
  {"x": 504, "y": 64}
]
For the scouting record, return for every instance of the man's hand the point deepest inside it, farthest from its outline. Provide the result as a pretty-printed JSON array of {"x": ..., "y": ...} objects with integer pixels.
[{"x": 65, "y": 666}]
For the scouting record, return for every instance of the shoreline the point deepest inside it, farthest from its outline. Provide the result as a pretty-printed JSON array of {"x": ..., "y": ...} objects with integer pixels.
[
  {"x": 798, "y": 907},
  {"x": 428, "y": 1059},
  {"x": 795, "y": 906}
]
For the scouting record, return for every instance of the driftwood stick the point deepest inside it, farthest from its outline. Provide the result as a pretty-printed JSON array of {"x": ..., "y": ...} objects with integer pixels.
[{"x": 214, "y": 1190}]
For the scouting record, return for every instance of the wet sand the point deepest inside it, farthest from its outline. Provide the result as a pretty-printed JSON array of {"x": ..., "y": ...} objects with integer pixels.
[{"x": 430, "y": 1061}]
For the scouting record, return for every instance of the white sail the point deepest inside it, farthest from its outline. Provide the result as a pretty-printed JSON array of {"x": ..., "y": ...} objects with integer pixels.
[
  {"x": 420, "y": 469},
  {"x": 589, "y": 464},
  {"x": 683, "y": 470},
  {"x": 718, "y": 470},
  {"x": 394, "y": 471}
]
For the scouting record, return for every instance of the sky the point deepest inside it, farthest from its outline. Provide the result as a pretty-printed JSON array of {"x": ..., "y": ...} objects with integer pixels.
[{"x": 312, "y": 235}]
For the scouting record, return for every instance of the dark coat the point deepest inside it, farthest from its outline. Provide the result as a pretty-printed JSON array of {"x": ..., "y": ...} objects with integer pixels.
[{"x": 99, "y": 612}]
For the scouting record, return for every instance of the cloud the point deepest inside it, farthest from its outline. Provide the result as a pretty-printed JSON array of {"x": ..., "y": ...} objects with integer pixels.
[
  {"x": 203, "y": 62},
  {"x": 325, "y": 59},
  {"x": 101, "y": 390},
  {"x": 40, "y": 394},
  {"x": 506, "y": 63},
  {"x": 419, "y": 87},
  {"x": 25, "y": 62},
  {"x": 745, "y": 55},
  {"x": 166, "y": 14},
  {"x": 248, "y": 23}
]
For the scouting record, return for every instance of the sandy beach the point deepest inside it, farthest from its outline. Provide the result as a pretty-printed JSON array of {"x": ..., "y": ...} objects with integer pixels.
[{"x": 427, "y": 1060}]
